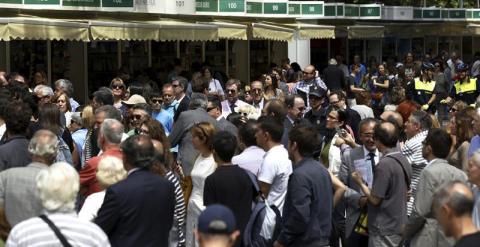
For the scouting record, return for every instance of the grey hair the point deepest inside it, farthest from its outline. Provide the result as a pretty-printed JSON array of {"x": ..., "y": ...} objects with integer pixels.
[
  {"x": 45, "y": 91},
  {"x": 112, "y": 130},
  {"x": 110, "y": 112},
  {"x": 37, "y": 88},
  {"x": 58, "y": 186},
  {"x": 332, "y": 61},
  {"x": 198, "y": 100},
  {"x": 43, "y": 147},
  {"x": 65, "y": 85},
  {"x": 422, "y": 118},
  {"x": 460, "y": 203}
]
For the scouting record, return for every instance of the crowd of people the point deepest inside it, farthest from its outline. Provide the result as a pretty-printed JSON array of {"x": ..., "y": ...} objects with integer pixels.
[{"x": 362, "y": 155}]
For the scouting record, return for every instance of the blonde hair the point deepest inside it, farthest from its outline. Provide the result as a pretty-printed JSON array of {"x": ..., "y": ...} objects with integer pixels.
[
  {"x": 204, "y": 131},
  {"x": 88, "y": 118},
  {"x": 110, "y": 171}
]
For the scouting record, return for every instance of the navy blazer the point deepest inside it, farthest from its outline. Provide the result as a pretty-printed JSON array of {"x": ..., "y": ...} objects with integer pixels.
[{"x": 138, "y": 211}]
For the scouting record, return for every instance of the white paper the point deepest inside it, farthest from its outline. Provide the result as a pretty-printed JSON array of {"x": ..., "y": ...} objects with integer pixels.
[{"x": 364, "y": 167}]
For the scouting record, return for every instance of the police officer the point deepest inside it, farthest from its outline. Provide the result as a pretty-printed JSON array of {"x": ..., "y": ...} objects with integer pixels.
[
  {"x": 464, "y": 88},
  {"x": 317, "y": 115},
  {"x": 423, "y": 88}
]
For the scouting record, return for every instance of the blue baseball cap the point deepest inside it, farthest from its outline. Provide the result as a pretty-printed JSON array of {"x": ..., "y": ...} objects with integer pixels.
[{"x": 216, "y": 219}]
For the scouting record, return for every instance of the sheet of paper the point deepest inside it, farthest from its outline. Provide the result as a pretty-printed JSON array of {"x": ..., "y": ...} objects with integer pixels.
[{"x": 364, "y": 167}]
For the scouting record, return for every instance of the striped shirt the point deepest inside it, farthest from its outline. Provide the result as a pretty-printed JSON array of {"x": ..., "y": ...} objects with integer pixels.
[
  {"x": 179, "y": 213},
  {"x": 413, "y": 152},
  {"x": 35, "y": 232}
]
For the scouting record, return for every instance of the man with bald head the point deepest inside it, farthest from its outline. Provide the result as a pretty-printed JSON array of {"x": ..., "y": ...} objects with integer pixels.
[
  {"x": 393, "y": 117},
  {"x": 310, "y": 80},
  {"x": 387, "y": 200},
  {"x": 452, "y": 207}
]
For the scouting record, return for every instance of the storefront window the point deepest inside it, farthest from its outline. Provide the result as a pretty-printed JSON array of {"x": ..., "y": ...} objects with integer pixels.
[
  {"x": 388, "y": 49},
  {"x": 467, "y": 49},
  {"x": 102, "y": 64},
  {"x": 258, "y": 58},
  {"x": 338, "y": 46},
  {"x": 163, "y": 55},
  {"x": 404, "y": 46},
  {"x": 374, "y": 51},
  {"x": 417, "y": 47},
  {"x": 431, "y": 46},
  {"x": 318, "y": 53},
  {"x": 28, "y": 57},
  {"x": 191, "y": 55},
  {"x": 215, "y": 55},
  {"x": 134, "y": 56},
  {"x": 355, "y": 47}
]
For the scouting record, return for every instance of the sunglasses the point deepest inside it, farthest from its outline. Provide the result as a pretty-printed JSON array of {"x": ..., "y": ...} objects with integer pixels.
[
  {"x": 137, "y": 117},
  {"x": 157, "y": 101},
  {"x": 256, "y": 90},
  {"x": 231, "y": 91},
  {"x": 118, "y": 87}
]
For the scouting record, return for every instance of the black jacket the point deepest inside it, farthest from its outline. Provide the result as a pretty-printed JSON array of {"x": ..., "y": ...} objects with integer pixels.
[{"x": 138, "y": 211}]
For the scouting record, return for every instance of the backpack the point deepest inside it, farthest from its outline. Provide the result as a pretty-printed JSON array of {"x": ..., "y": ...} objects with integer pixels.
[
  {"x": 265, "y": 221},
  {"x": 63, "y": 153}
]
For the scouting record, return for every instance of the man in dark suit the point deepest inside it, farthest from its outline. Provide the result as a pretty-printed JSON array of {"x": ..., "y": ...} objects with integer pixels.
[
  {"x": 295, "y": 110},
  {"x": 214, "y": 109},
  {"x": 138, "y": 211},
  {"x": 339, "y": 99},
  {"x": 361, "y": 157},
  {"x": 333, "y": 76},
  {"x": 179, "y": 85},
  {"x": 181, "y": 130}
]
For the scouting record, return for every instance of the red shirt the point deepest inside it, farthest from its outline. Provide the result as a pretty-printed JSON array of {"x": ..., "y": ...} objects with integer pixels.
[{"x": 88, "y": 178}]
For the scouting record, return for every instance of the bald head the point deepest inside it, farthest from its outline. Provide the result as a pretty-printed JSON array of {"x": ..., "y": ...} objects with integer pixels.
[
  {"x": 457, "y": 196},
  {"x": 386, "y": 134},
  {"x": 393, "y": 117}
]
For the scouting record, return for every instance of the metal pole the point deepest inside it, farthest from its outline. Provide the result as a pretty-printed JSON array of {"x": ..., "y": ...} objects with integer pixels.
[
  {"x": 149, "y": 48},
  {"x": 7, "y": 54},
  {"x": 49, "y": 61},
  {"x": 227, "y": 64}
]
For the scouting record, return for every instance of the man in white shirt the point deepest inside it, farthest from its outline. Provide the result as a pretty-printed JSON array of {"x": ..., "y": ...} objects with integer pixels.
[
  {"x": 251, "y": 157},
  {"x": 232, "y": 101},
  {"x": 276, "y": 166}
]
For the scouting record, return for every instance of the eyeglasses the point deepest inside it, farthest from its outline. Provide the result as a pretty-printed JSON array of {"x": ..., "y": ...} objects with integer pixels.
[
  {"x": 118, "y": 87},
  {"x": 301, "y": 109},
  {"x": 157, "y": 101},
  {"x": 231, "y": 91},
  {"x": 334, "y": 102}
]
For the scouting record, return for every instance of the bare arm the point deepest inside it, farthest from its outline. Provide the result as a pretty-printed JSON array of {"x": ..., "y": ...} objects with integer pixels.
[
  {"x": 374, "y": 200},
  {"x": 339, "y": 189},
  {"x": 265, "y": 188}
]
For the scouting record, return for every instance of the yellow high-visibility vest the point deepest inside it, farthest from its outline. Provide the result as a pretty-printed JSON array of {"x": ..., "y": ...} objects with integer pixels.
[
  {"x": 466, "y": 86},
  {"x": 424, "y": 85}
]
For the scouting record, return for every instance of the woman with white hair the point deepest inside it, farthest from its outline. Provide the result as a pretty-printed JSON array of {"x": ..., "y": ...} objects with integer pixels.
[
  {"x": 58, "y": 188},
  {"x": 109, "y": 171}
]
